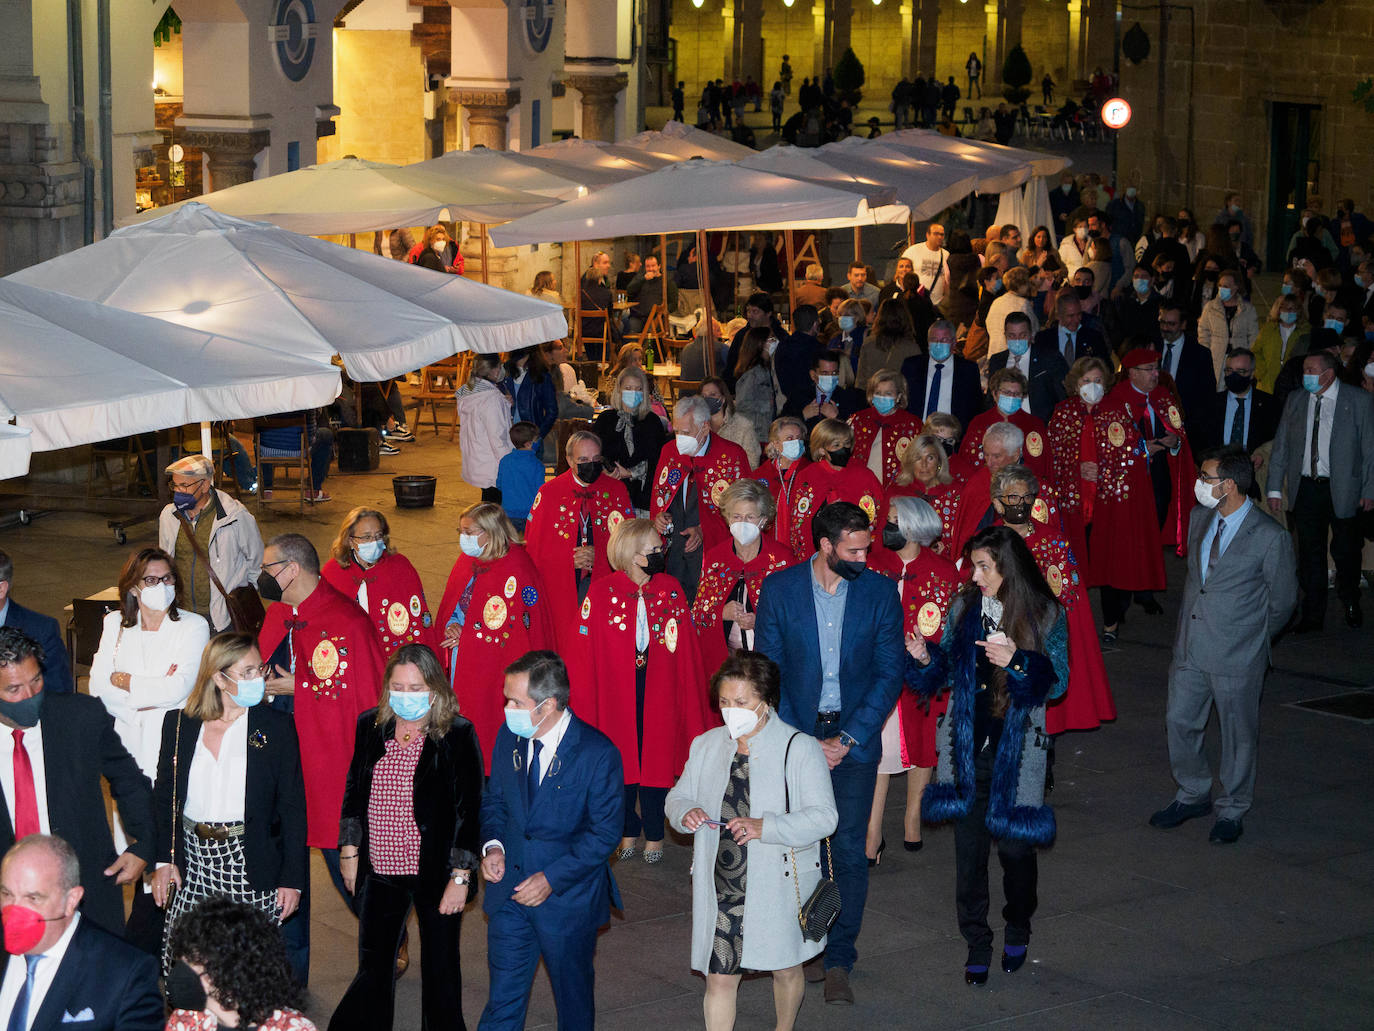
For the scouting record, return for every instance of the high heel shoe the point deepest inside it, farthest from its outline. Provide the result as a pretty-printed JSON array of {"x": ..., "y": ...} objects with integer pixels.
[
  {"x": 913, "y": 846},
  {"x": 879, "y": 857}
]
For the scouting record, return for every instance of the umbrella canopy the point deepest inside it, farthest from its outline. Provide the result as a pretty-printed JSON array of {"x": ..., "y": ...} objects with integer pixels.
[
  {"x": 75, "y": 372},
  {"x": 998, "y": 168},
  {"x": 805, "y": 163},
  {"x": 15, "y": 451},
  {"x": 690, "y": 195},
  {"x": 678, "y": 142},
  {"x": 510, "y": 169},
  {"x": 355, "y": 196},
  {"x": 925, "y": 187},
  {"x": 295, "y": 295},
  {"x": 614, "y": 157}
]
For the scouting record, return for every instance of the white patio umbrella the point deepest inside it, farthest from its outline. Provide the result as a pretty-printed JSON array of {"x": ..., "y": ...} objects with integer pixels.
[
  {"x": 355, "y": 196},
  {"x": 678, "y": 142},
  {"x": 805, "y": 164},
  {"x": 925, "y": 185},
  {"x": 997, "y": 168},
  {"x": 528, "y": 173},
  {"x": 76, "y": 372},
  {"x": 294, "y": 295},
  {"x": 596, "y": 154}
]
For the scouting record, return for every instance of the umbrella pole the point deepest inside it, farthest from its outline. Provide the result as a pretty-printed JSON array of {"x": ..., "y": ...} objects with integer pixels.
[
  {"x": 735, "y": 295},
  {"x": 791, "y": 274},
  {"x": 663, "y": 275},
  {"x": 483, "y": 227},
  {"x": 577, "y": 302},
  {"x": 207, "y": 447},
  {"x": 704, "y": 281},
  {"x": 858, "y": 244},
  {"x": 910, "y": 232}
]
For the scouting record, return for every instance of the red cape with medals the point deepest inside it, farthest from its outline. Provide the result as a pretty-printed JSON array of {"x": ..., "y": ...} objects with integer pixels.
[
  {"x": 395, "y": 599},
  {"x": 339, "y": 664},
  {"x": 721, "y": 569},
  {"x": 551, "y": 536},
  {"x": 975, "y": 502},
  {"x": 1182, "y": 471},
  {"x": 723, "y": 464},
  {"x": 782, "y": 484},
  {"x": 899, "y": 428},
  {"x": 676, "y": 703},
  {"x": 943, "y": 497},
  {"x": 819, "y": 484},
  {"x": 927, "y": 584},
  {"x": 1035, "y": 452},
  {"x": 1119, "y": 507},
  {"x": 506, "y": 617}
]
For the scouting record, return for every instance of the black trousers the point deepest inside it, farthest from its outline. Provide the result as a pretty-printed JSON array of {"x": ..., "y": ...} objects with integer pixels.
[
  {"x": 384, "y": 906},
  {"x": 1020, "y": 874},
  {"x": 650, "y": 816},
  {"x": 1313, "y": 519}
]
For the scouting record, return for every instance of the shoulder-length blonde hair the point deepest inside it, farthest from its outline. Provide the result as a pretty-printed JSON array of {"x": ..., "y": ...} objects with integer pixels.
[
  {"x": 205, "y": 703},
  {"x": 131, "y": 582},
  {"x": 444, "y": 706},
  {"x": 341, "y": 549},
  {"x": 888, "y": 376},
  {"x": 829, "y": 434},
  {"x": 752, "y": 492},
  {"x": 628, "y": 540},
  {"x": 646, "y": 392},
  {"x": 926, "y": 442},
  {"x": 493, "y": 521},
  {"x": 433, "y": 231}
]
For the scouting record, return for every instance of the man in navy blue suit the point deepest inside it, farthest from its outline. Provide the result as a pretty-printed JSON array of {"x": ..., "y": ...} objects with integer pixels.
[
  {"x": 552, "y": 815},
  {"x": 950, "y": 380},
  {"x": 57, "y": 667},
  {"x": 834, "y": 628}
]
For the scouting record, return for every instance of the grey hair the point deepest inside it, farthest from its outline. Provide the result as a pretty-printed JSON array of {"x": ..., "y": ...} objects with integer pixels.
[
  {"x": 196, "y": 467},
  {"x": 753, "y": 492},
  {"x": 548, "y": 676},
  {"x": 577, "y": 438},
  {"x": 916, "y": 519},
  {"x": 68, "y": 866},
  {"x": 1009, "y": 474},
  {"x": 695, "y": 407},
  {"x": 1007, "y": 433},
  {"x": 944, "y": 325},
  {"x": 295, "y": 547}
]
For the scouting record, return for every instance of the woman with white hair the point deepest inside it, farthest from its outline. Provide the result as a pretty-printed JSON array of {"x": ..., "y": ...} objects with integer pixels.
[
  {"x": 926, "y": 582},
  {"x": 632, "y": 435}
]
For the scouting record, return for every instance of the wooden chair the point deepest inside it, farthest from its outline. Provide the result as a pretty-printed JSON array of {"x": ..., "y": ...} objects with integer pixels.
[
  {"x": 84, "y": 628},
  {"x": 438, "y": 382},
  {"x": 563, "y": 429},
  {"x": 136, "y": 456},
  {"x": 683, "y": 388},
  {"x": 283, "y": 463},
  {"x": 655, "y": 331},
  {"x": 605, "y": 339}
]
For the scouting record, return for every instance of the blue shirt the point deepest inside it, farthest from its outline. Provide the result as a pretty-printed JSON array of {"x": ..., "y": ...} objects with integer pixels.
[
  {"x": 829, "y": 628},
  {"x": 519, "y": 476},
  {"x": 1233, "y": 522},
  {"x": 1231, "y": 401}
]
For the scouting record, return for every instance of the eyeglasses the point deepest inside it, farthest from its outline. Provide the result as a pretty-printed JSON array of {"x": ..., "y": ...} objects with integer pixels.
[
  {"x": 279, "y": 562},
  {"x": 153, "y": 581},
  {"x": 251, "y": 673},
  {"x": 1017, "y": 499},
  {"x": 367, "y": 538},
  {"x": 187, "y": 487},
  {"x": 1210, "y": 479},
  {"x": 1146, "y": 368}
]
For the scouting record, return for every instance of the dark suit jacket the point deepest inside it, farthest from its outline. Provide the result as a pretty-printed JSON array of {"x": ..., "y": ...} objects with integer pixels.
[
  {"x": 1210, "y": 426},
  {"x": 1196, "y": 383},
  {"x": 792, "y": 360},
  {"x": 1047, "y": 373},
  {"x": 847, "y": 399},
  {"x": 1087, "y": 341},
  {"x": 57, "y": 665},
  {"x": 446, "y": 798},
  {"x": 79, "y": 747},
  {"x": 273, "y": 802},
  {"x": 871, "y": 662},
  {"x": 105, "y": 976},
  {"x": 568, "y": 832},
  {"x": 966, "y": 396}
]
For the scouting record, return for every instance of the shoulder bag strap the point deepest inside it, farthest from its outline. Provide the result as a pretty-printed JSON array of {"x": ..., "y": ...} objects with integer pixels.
[{"x": 200, "y": 553}]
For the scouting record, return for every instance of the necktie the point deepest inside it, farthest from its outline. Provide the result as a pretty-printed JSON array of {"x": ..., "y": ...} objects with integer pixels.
[
  {"x": 532, "y": 774},
  {"x": 1238, "y": 424},
  {"x": 1314, "y": 454},
  {"x": 933, "y": 396},
  {"x": 1169, "y": 358},
  {"x": 19, "y": 1016},
  {"x": 1214, "y": 555},
  {"x": 25, "y": 794},
  {"x": 1070, "y": 351}
]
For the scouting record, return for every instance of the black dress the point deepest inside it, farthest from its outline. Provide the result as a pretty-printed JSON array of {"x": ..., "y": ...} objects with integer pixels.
[{"x": 731, "y": 860}]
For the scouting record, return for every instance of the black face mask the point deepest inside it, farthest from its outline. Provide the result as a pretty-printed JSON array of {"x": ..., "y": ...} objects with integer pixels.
[
  {"x": 1211, "y": 274},
  {"x": 1083, "y": 292},
  {"x": 655, "y": 563},
  {"x": 23, "y": 714},
  {"x": 892, "y": 538},
  {"x": 587, "y": 472},
  {"x": 949, "y": 445},
  {"x": 184, "y": 988},
  {"x": 1016, "y": 515},
  {"x": 268, "y": 587},
  {"x": 840, "y": 456},
  {"x": 845, "y": 568},
  {"x": 1237, "y": 382}
]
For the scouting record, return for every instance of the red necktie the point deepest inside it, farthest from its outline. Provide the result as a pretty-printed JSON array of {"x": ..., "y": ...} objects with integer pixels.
[{"x": 25, "y": 796}]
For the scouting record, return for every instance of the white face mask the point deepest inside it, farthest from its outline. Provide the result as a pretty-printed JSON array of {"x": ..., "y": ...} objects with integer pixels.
[
  {"x": 1081, "y": 232},
  {"x": 1091, "y": 392},
  {"x": 745, "y": 533},
  {"x": 439, "y": 246},
  {"x": 687, "y": 444},
  {"x": 470, "y": 544},
  {"x": 739, "y": 721},
  {"x": 158, "y": 597},
  {"x": 1202, "y": 490}
]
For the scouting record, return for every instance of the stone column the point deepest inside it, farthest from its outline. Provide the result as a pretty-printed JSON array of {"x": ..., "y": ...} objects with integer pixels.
[
  {"x": 1073, "y": 58},
  {"x": 910, "y": 37},
  {"x": 820, "y": 58},
  {"x": 841, "y": 16},
  {"x": 598, "y": 103},
  {"x": 487, "y": 114},
  {"x": 992, "y": 60},
  {"x": 927, "y": 29},
  {"x": 729, "y": 40},
  {"x": 750, "y": 22},
  {"x": 230, "y": 154}
]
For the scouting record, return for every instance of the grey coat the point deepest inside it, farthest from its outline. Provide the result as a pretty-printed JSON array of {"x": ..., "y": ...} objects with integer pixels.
[
  {"x": 772, "y": 935},
  {"x": 1352, "y": 448},
  {"x": 1224, "y": 626}
]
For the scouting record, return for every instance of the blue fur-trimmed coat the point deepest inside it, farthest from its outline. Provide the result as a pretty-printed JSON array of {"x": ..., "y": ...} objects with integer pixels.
[{"x": 1016, "y": 796}]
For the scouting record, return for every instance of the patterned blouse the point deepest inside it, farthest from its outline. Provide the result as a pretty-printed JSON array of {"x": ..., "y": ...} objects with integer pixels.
[
  {"x": 280, "y": 1020},
  {"x": 393, "y": 837}
]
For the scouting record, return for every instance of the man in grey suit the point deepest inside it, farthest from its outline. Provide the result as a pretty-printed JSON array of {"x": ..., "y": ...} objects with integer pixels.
[
  {"x": 1324, "y": 454},
  {"x": 1240, "y": 592}
]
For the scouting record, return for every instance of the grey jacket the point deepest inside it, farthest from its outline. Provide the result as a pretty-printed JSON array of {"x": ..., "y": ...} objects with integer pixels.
[
  {"x": 754, "y": 400},
  {"x": 1352, "y": 448},
  {"x": 1225, "y": 625},
  {"x": 235, "y": 550}
]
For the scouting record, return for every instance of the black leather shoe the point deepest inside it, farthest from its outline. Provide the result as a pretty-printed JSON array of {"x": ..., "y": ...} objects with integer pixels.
[
  {"x": 1354, "y": 616},
  {"x": 1225, "y": 832},
  {"x": 975, "y": 975},
  {"x": 1152, "y": 607},
  {"x": 1176, "y": 813},
  {"x": 913, "y": 846},
  {"x": 1012, "y": 961},
  {"x": 1307, "y": 626}
]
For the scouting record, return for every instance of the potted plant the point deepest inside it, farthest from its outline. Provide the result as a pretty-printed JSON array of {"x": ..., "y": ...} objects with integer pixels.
[
  {"x": 849, "y": 78},
  {"x": 1016, "y": 76}
]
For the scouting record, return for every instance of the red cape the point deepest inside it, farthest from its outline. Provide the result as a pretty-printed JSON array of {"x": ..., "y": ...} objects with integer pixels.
[
  {"x": 723, "y": 464},
  {"x": 721, "y": 569},
  {"x": 395, "y": 599},
  {"x": 782, "y": 484},
  {"x": 339, "y": 664},
  {"x": 943, "y": 497},
  {"x": 676, "y": 704},
  {"x": 927, "y": 583},
  {"x": 1035, "y": 453},
  {"x": 507, "y": 617},
  {"x": 975, "y": 500},
  {"x": 1182, "y": 471},
  {"x": 819, "y": 484},
  {"x": 551, "y": 536},
  {"x": 899, "y": 428},
  {"x": 1125, "y": 551}
]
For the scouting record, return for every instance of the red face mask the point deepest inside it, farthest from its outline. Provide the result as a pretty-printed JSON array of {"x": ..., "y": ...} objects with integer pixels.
[{"x": 23, "y": 928}]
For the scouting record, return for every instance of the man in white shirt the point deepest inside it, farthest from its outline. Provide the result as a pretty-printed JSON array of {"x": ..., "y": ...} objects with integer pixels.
[
  {"x": 63, "y": 970},
  {"x": 931, "y": 262}
]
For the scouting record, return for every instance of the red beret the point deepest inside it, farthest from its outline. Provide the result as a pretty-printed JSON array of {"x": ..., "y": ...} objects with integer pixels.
[{"x": 1139, "y": 356}]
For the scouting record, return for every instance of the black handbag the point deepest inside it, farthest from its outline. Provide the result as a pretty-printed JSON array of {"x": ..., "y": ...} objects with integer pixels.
[{"x": 822, "y": 908}]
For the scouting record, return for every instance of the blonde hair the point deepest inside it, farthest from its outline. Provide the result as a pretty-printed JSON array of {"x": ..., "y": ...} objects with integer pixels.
[
  {"x": 493, "y": 521},
  {"x": 341, "y": 549},
  {"x": 926, "y": 442},
  {"x": 753, "y": 492},
  {"x": 643, "y": 408},
  {"x": 888, "y": 376},
  {"x": 434, "y": 231},
  {"x": 1016, "y": 279},
  {"x": 220, "y": 653},
  {"x": 443, "y": 707},
  {"x": 627, "y": 540},
  {"x": 828, "y": 434}
]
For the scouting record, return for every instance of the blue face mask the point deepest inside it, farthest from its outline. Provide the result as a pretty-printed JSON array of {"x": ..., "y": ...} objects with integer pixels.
[
  {"x": 1288, "y": 318},
  {"x": 793, "y": 449},
  {"x": 1335, "y": 324},
  {"x": 846, "y": 323},
  {"x": 409, "y": 705},
  {"x": 1018, "y": 347},
  {"x": 183, "y": 500},
  {"x": 1311, "y": 382},
  {"x": 631, "y": 398},
  {"x": 884, "y": 404},
  {"x": 1224, "y": 292},
  {"x": 994, "y": 286},
  {"x": 1008, "y": 405},
  {"x": 520, "y": 722},
  {"x": 1142, "y": 286},
  {"x": 940, "y": 351},
  {"x": 371, "y": 551},
  {"x": 827, "y": 384},
  {"x": 249, "y": 692},
  {"x": 1286, "y": 289}
]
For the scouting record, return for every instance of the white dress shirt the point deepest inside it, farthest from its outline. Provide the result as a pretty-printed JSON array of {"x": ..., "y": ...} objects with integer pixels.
[
  {"x": 1328, "y": 420},
  {"x": 943, "y": 402},
  {"x": 1020, "y": 362},
  {"x": 1284, "y": 333},
  {"x": 33, "y": 744},
  {"x": 215, "y": 788},
  {"x": 16, "y": 972},
  {"x": 1168, "y": 362}
]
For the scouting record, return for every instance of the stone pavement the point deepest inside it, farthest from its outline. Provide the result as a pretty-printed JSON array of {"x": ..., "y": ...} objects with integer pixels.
[{"x": 1137, "y": 928}]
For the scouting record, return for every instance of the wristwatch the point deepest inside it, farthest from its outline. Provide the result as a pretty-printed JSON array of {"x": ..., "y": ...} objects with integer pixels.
[{"x": 461, "y": 876}]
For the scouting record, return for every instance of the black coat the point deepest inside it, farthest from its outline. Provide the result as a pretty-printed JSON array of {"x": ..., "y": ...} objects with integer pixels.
[
  {"x": 847, "y": 399},
  {"x": 966, "y": 395},
  {"x": 648, "y": 436},
  {"x": 447, "y": 799},
  {"x": 1087, "y": 341},
  {"x": 273, "y": 797},
  {"x": 80, "y": 747},
  {"x": 1047, "y": 373},
  {"x": 1195, "y": 382},
  {"x": 1209, "y": 429},
  {"x": 1127, "y": 317}
]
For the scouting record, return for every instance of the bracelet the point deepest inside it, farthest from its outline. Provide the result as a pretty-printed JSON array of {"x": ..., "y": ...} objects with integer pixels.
[{"x": 353, "y": 856}]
